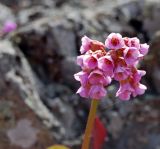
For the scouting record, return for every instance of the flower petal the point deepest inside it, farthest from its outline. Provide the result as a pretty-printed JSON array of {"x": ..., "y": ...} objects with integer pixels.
[
  {"x": 97, "y": 92},
  {"x": 114, "y": 41}
]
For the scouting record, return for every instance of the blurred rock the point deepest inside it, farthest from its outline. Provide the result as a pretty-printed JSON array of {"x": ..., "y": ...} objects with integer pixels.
[
  {"x": 19, "y": 137},
  {"x": 25, "y": 16},
  {"x": 135, "y": 130},
  {"x": 10, "y": 114},
  {"x": 17, "y": 5},
  {"x": 65, "y": 38},
  {"x": 130, "y": 10},
  {"x": 6, "y": 14},
  {"x": 17, "y": 81},
  {"x": 66, "y": 115},
  {"x": 49, "y": 48},
  {"x": 69, "y": 68},
  {"x": 15, "y": 135},
  {"x": 112, "y": 127},
  {"x": 152, "y": 64},
  {"x": 152, "y": 12}
]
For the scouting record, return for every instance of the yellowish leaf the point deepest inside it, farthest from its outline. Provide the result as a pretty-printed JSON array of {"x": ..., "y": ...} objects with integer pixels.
[{"x": 58, "y": 147}]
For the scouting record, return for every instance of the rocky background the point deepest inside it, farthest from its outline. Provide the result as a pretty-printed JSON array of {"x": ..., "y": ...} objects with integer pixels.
[{"x": 38, "y": 104}]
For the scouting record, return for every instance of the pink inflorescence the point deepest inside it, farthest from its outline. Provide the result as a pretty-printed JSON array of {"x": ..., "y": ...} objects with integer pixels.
[
  {"x": 9, "y": 26},
  {"x": 118, "y": 62}
]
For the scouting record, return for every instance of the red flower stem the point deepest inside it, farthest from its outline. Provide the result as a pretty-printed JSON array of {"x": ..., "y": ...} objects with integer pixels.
[{"x": 90, "y": 124}]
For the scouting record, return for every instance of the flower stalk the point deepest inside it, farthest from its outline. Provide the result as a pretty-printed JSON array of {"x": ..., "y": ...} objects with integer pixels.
[{"x": 90, "y": 124}]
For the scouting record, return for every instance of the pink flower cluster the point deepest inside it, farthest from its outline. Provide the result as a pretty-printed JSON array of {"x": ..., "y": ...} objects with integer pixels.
[
  {"x": 9, "y": 26},
  {"x": 118, "y": 62}
]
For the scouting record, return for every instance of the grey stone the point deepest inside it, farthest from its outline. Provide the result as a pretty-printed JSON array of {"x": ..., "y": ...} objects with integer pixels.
[
  {"x": 24, "y": 139},
  {"x": 6, "y": 14},
  {"x": 16, "y": 71}
]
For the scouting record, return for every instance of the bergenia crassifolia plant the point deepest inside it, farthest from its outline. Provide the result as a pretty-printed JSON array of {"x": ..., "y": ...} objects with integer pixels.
[
  {"x": 117, "y": 59},
  {"x": 9, "y": 26}
]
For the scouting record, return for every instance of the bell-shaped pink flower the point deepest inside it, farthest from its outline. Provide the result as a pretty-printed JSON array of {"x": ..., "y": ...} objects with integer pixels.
[
  {"x": 139, "y": 89},
  {"x": 80, "y": 60},
  {"x": 121, "y": 71},
  {"x": 114, "y": 41},
  {"x": 125, "y": 90},
  {"x": 138, "y": 75},
  {"x": 126, "y": 41},
  {"x": 97, "y": 92},
  {"x": 131, "y": 55},
  {"x": 96, "y": 45},
  {"x": 125, "y": 95},
  {"x": 86, "y": 44},
  {"x": 121, "y": 74},
  {"x": 126, "y": 85},
  {"x": 105, "y": 63},
  {"x": 144, "y": 49},
  {"x": 83, "y": 91},
  {"x": 98, "y": 54},
  {"x": 134, "y": 42},
  {"x": 90, "y": 62},
  {"x": 98, "y": 77},
  {"x": 82, "y": 77}
]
